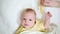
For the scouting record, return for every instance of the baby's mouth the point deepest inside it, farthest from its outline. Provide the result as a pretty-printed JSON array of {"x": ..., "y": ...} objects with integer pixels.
[{"x": 26, "y": 24}]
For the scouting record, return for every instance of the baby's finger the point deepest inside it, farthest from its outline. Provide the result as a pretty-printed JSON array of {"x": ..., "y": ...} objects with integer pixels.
[{"x": 49, "y": 14}]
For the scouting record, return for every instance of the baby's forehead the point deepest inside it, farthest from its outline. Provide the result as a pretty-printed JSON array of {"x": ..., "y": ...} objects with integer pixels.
[{"x": 28, "y": 14}]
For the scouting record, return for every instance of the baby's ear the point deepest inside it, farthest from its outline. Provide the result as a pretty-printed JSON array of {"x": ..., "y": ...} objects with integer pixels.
[{"x": 35, "y": 22}]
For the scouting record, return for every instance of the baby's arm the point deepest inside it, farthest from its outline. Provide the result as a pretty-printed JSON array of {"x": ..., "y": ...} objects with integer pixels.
[
  {"x": 51, "y": 3},
  {"x": 47, "y": 20}
]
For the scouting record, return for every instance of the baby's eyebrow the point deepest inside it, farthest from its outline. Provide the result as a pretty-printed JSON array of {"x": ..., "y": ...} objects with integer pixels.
[{"x": 24, "y": 18}]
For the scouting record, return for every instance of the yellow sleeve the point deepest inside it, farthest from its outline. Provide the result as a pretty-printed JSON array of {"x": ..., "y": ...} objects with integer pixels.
[
  {"x": 41, "y": 25},
  {"x": 19, "y": 30},
  {"x": 42, "y": 28}
]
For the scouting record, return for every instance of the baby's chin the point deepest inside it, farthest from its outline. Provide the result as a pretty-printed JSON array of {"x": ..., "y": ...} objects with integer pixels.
[{"x": 27, "y": 27}]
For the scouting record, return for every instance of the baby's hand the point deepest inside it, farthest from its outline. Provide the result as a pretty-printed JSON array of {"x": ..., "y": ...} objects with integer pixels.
[
  {"x": 48, "y": 15},
  {"x": 47, "y": 19}
]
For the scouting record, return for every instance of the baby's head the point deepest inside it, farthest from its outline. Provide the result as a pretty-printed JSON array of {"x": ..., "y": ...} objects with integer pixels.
[{"x": 28, "y": 18}]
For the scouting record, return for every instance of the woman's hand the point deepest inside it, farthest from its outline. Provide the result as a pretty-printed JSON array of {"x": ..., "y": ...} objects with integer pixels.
[{"x": 50, "y": 3}]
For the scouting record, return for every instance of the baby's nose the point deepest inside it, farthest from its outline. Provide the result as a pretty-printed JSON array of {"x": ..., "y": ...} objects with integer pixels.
[{"x": 26, "y": 21}]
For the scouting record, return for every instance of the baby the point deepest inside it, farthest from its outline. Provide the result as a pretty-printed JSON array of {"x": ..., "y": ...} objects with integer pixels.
[{"x": 29, "y": 21}]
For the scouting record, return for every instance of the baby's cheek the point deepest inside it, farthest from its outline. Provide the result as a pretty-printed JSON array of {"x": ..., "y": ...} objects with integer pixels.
[
  {"x": 23, "y": 23},
  {"x": 31, "y": 24}
]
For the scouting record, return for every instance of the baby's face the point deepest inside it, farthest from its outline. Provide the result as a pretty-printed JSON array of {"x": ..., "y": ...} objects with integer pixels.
[{"x": 28, "y": 19}]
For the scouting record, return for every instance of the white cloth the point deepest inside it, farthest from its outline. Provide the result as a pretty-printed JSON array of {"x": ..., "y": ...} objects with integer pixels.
[
  {"x": 9, "y": 10},
  {"x": 31, "y": 32}
]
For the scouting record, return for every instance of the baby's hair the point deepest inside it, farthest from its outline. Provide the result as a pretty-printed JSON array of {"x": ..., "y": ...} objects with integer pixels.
[{"x": 28, "y": 10}]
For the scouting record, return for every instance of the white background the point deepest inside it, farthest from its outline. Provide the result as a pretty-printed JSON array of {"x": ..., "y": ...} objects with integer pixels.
[{"x": 9, "y": 10}]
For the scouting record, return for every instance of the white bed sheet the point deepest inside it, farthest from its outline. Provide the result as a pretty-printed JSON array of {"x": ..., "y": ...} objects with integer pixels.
[{"x": 10, "y": 9}]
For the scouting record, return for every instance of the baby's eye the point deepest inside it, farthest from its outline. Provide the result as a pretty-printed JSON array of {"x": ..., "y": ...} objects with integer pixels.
[
  {"x": 30, "y": 20},
  {"x": 24, "y": 19}
]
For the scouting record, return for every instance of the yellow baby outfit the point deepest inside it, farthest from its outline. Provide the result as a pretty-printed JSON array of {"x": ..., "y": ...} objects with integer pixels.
[{"x": 39, "y": 26}]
